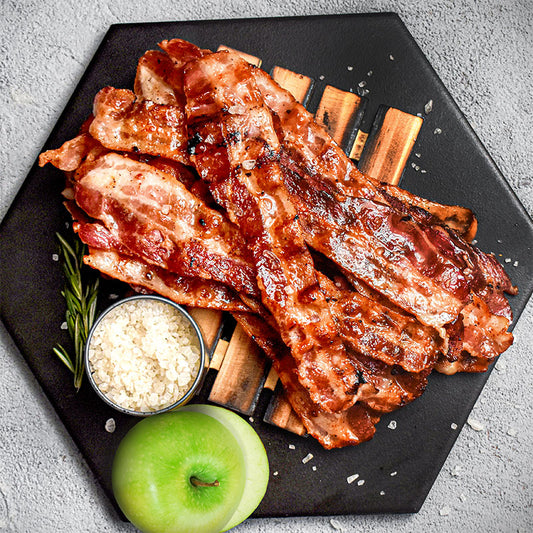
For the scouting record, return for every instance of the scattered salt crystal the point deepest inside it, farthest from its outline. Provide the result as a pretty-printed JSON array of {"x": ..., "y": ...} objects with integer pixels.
[
  {"x": 361, "y": 482},
  {"x": 275, "y": 473},
  {"x": 307, "y": 458},
  {"x": 369, "y": 73},
  {"x": 248, "y": 164},
  {"x": 453, "y": 425},
  {"x": 352, "y": 478},
  {"x": 428, "y": 107},
  {"x": 512, "y": 432},
  {"x": 321, "y": 77},
  {"x": 419, "y": 115},
  {"x": 391, "y": 57},
  {"x": 55, "y": 257},
  {"x": 437, "y": 131},
  {"x": 508, "y": 259},
  {"x": 67, "y": 225},
  {"x": 110, "y": 425},
  {"x": 292, "y": 447},
  {"x": 362, "y": 83},
  {"x": 64, "y": 325},
  {"x": 349, "y": 67},
  {"x": 392, "y": 424},
  {"x": 417, "y": 168},
  {"x": 393, "y": 473},
  {"x": 335, "y": 524},
  {"x": 113, "y": 296},
  {"x": 423, "y": 171},
  {"x": 418, "y": 155},
  {"x": 445, "y": 511},
  {"x": 500, "y": 241},
  {"x": 413, "y": 165},
  {"x": 500, "y": 365},
  {"x": 314, "y": 468},
  {"x": 457, "y": 470},
  {"x": 474, "y": 242},
  {"x": 382, "y": 493},
  {"x": 251, "y": 419},
  {"x": 475, "y": 424},
  {"x": 515, "y": 264}
]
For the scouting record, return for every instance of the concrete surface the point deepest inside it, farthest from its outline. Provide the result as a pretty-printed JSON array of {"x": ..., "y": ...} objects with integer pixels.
[{"x": 483, "y": 52}]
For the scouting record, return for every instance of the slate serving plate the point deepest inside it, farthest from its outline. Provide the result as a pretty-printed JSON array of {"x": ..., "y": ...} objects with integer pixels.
[{"x": 403, "y": 463}]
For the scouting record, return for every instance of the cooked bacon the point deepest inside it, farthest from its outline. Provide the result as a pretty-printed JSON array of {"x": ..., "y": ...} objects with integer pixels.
[
  {"x": 121, "y": 122},
  {"x": 73, "y": 153},
  {"x": 381, "y": 333},
  {"x": 182, "y": 290},
  {"x": 155, "y": 217},
  {"x": 311, "y": 147},
  {"x": 219, "y": 88},
  {"x": 158, "y": 79},
  {"x": 333, "y": 430},
  {"x": 377, "y": 245},
  {"x": 484, "y": 337}
]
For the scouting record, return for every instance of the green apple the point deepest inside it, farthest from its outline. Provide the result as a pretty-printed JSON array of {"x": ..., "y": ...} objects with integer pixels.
[
  {"x": 255, "y": 459},
  {"x": 179, "y": 472}
]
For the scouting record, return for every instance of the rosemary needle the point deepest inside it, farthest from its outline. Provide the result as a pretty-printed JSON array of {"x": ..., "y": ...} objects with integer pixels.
[{"x": 80, "y": 293}]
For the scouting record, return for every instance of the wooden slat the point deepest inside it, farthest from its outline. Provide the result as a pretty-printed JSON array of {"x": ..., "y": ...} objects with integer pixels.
[
  {"x": 209, "y": 322},
  {"x": 297, "y": 84},
  {"x": 251, "y": 59},
  {"x": 389, "y": 144},
  {"x": 340, "y": 112},
  {"x": 358, "y": 145},
  {"x": 280, "y": 413},
  {"x": 218, "y": 355},
  {"x": 271, "y": 380},
  {"x": 240, "y": 379}
]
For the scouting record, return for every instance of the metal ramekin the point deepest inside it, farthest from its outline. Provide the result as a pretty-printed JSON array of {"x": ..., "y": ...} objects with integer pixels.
[{"x": 181, "y": 401}]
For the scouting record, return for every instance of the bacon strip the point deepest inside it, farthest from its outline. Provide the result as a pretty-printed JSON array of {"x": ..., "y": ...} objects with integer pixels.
[
  {"x": 333, "y": 430},
  {"x": 257, "y": 201},
  {"x": 123, "y": 123},
  {"x": 157, "y": 219},
  {"x": 180, "y": 289}
]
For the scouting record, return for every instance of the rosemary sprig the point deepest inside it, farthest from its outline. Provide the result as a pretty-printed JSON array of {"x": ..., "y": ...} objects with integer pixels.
[{"x": 80, "y": 293}]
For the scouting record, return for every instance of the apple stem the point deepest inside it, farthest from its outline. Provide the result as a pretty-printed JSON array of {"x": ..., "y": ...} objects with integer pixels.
[{"x": 198, "y": 483}]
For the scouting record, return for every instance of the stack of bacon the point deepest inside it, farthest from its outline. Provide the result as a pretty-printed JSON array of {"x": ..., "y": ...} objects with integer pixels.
[{"x": 211, "y": 185}]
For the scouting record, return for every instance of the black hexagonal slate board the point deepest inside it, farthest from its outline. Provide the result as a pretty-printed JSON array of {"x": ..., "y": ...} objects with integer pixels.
[{"x": 398, "y": 466}]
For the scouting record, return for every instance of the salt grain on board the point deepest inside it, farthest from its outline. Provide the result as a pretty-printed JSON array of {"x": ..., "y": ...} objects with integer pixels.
[
  {"x": 382, "y": 493},
  {"x": 349, "y": 67},
  {"x": 392, "y": 424},
  {"x": 515, "y": 264},
  {"x": 64, "y": 325},
  {"x": 352, "y": 478},
  {"x": 321, "y": 77},
  {"x": 391, "y": 57},
  {"x": 453, "y": 425},
  {"x": 437, "y": 131},
  {"x": 361, "y": 482},
  {"x": 393, "y": 473},
  {"x": 275, "y": 473},
  {"x": 314, "y": 468},
  {"x": 110, "y": 425},
  {"x": 292, "y": 447},
  {"x": 428, "y": 107},
  {"x": 475, "y": 424},
  {"x": 307, "y": 458},
  {"x": 55, "y": 257}
]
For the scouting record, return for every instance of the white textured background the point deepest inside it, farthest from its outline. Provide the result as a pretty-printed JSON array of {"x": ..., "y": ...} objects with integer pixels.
[{"x": 483, "y": 52}]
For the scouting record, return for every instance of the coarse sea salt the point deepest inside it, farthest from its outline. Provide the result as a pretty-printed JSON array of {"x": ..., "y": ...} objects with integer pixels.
[
  {"x": 144, "y": 355},
  {"x": 475, "y": 424},
  {"x": 307, "y": 458},
  {"x": 352, "y": 478}
]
